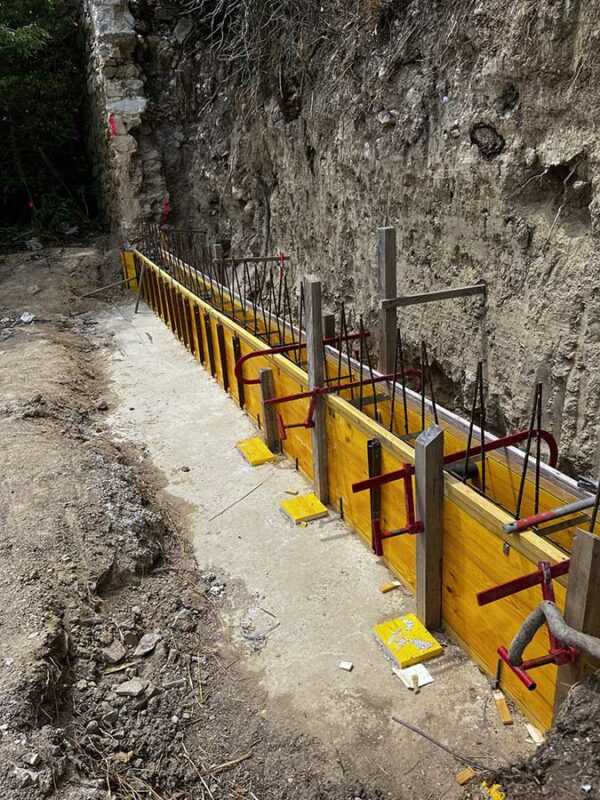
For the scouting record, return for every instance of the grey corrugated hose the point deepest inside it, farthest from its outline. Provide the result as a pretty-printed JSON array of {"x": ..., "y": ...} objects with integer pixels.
[{"x": 550, "y": 613}]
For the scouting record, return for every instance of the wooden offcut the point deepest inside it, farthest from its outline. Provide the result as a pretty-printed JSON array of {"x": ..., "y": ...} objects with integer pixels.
[{"x": 502, "y": 706}]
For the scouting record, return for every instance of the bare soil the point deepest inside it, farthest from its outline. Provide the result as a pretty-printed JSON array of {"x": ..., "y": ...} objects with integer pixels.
[
  {"x": 567, "y": 765},
  {"x": 90, "y": 565}
]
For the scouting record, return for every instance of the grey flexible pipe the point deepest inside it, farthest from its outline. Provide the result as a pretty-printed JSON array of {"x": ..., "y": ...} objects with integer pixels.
[{"x": 550, "y": 613}]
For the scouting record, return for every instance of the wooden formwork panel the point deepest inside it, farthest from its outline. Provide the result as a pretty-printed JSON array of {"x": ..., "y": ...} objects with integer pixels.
[{"x": 474, "y": 553}]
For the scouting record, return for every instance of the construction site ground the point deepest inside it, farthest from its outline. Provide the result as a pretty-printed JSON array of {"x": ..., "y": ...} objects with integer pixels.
[{"x": 163, "y": 623}]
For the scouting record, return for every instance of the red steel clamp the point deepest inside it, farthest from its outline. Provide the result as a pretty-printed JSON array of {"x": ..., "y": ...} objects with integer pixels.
[{"x": 558, "y": 653}]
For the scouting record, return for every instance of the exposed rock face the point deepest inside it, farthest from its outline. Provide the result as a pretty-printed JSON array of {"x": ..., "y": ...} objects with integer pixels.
[
  {"x": 129, "y": 166},
  {"x": 469, "y": 126}
]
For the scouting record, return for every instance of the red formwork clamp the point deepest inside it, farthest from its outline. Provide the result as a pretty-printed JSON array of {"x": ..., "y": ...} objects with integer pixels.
[
  {"x": 414, "y": 525},
  {"x": 558, "y": 653},
  {"x": 282, "y": 349}
]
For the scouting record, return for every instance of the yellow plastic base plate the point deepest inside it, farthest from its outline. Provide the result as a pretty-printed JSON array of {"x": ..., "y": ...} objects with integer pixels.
[
  {"x": 407, "y": 640},
  {"x": 256, "y": 452},
  {"x": 304, "y": 508}
]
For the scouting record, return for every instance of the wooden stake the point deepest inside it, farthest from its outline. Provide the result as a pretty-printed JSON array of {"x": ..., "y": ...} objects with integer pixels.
[
  {"x": 316, "y": 375},
  {"x": 386, "y": 266},
  {"x": 582, "y": 607},
  {"x": 269, "y": 415},
  {"x": 429, "y": 477}
]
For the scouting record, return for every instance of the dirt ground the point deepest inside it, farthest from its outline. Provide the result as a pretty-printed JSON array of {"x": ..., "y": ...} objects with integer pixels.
[{"x": 120, "y": 674}]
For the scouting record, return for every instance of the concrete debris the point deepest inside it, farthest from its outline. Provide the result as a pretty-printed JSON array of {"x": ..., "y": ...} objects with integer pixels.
[
  {"x": 147, "y": 644},
  {"x": 114, "y": 652},
  {"x": 346, "y": 665}
]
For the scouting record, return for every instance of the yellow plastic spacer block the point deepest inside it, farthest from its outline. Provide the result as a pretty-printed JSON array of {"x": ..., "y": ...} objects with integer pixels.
[
  {"x": 304, "y": 508},
  {"x": 408, "y": 641},
  {"x": 256, "y": 452}
]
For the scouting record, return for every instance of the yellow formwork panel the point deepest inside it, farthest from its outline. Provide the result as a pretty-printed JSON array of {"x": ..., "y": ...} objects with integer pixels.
[
  {"x": 128, "y": 261},
  {"x": 474, "y": 557},
  {"x": 256, "y": 452},
  {"x": 305, "y": 508},
  {"x": 407, "y": 640}
]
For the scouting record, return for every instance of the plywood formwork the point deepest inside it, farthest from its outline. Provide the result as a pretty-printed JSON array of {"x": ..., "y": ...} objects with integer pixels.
[{"x": 477, "y": 553}]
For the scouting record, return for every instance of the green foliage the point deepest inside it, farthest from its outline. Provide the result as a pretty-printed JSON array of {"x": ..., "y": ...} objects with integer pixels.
[{"x": 43, "y": 165}]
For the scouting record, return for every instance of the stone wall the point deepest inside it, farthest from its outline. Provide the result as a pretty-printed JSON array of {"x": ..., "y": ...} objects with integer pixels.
[{"x": 128, "y": 165}]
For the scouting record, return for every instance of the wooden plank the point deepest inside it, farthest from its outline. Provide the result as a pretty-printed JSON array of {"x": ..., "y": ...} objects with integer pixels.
[
  {"x": 316, "y": 376},
  {"x": 269, "y": 414},
  {"x": 386, "y": 270},
  {"x": 431, "y": 297},
  {"x": 429, "y": 478},
  {"x": 582, "y": 606}
]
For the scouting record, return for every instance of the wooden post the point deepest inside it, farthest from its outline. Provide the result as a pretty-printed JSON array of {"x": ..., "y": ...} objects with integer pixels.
[
  {"x": 386, "y": 267},
  {"x": 582, "y": 607},
  {"x": 269, "y": 415},
  {"x": 316, "y": 376},
  {"x": 429, "y": 477},
  {"x": 328, "y": 326}
]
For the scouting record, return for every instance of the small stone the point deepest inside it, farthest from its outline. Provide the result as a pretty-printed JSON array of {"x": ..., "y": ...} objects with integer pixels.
[
  {"x": 33, "y": 759},
  {"x": 132, "y": 688},
  {"x": 102, "y": 405},
  {"x": 147, "y": 644},
  {"x": 386, "y": 119},
  {"x": 185, "y": 469},
  {"x": 110, "y": 717},
  {"x": 131, "y": 639},
  {"x": 24, "y": 777},
  {"x": 184, "y": 621},
  {"x": 114, "y": 652},
  {"x": 183, "y": 29}
]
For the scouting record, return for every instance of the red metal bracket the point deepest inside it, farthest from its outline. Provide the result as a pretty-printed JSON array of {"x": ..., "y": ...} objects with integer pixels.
[
  {"x": 414, "y": 525},
  {"x": 281, "y": 350},
  {"x": 558, "y": 653},
  {"x": 453, "y": 458}
]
